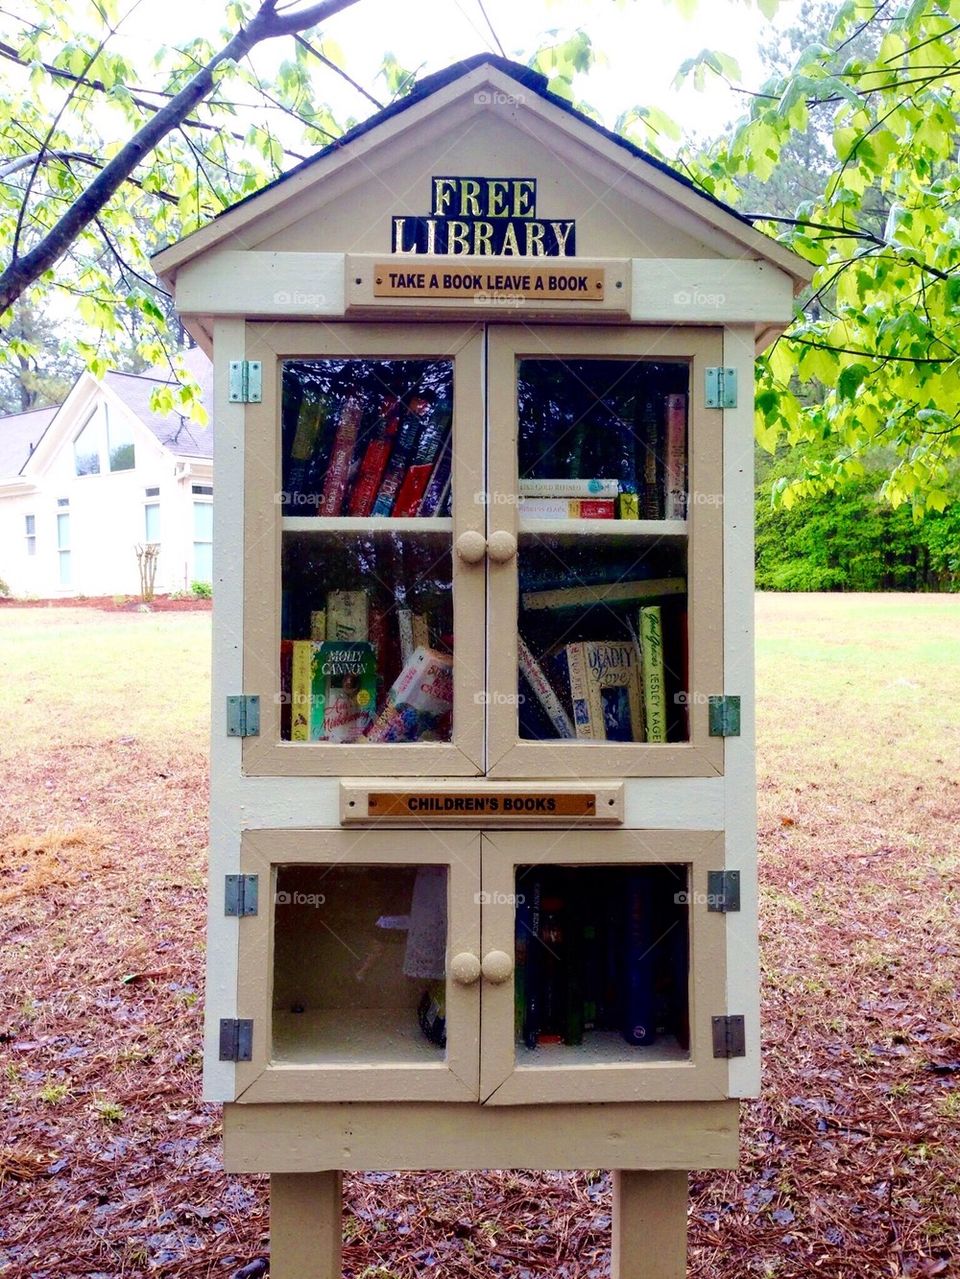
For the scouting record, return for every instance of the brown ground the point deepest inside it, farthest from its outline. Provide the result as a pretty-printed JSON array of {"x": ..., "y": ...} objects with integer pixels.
[
  {"x": 110, "y": 1163},
  {"x": 116, "y": 603}
]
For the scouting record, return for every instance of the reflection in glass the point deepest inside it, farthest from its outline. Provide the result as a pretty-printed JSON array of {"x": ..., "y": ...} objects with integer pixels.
[
  {"x": 602, "y": 962},
  {"x": 359, "y": 970}
]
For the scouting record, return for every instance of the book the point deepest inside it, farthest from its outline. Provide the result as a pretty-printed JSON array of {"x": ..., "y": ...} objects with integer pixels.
[
  {"x": 648, "y": 432},
  {"x": 560, "y": 487},
  {"x": 543, "y": 691},
  {"x": 573, "y": 991},
  {"x": 604, "y": 593},
  {"x": 341, "y": 456},
  {"x": 438, "y": 486},
  {"x": 375, "y": 458},
  {"x": 605, "y": 686},
  {"x": 301, "y": 686},
  {"x": 531, "y": 983},
  {"x": 638, "y": 1022},
  {"x": 347, "y": 615},
  {"x": 344, "y": 690},
  {"x": 298, "y": 482},
  {"x": 286, "y": 688},
  {"x": 566, "y": 508},
  {"x": 403, "y": 449},
  {"x": 628, "y": 506},
  {"x": 675, "y": 459},
  {"x": 418, "y": 705},
  {"x": 318, "y": 625},
  {"x": 414, "y": 483},
  {"x": 654, "y": 693}
]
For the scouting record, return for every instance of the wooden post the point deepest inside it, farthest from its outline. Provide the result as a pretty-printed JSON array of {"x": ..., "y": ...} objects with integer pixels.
[
  {"x": 305, "y": 1225},
  {"x": 649, "y": 1225}
]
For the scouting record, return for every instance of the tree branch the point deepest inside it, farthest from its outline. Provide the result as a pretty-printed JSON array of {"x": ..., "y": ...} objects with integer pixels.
[{"x": 265, "y": 25}]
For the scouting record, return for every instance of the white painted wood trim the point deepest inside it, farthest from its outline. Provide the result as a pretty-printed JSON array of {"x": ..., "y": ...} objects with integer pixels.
[
  {"x": 219, "y": 1077},
  {"x": 255, "y": 283},
  {"x": 710, "y": 291},
  {"x": 743, "y": 964}
]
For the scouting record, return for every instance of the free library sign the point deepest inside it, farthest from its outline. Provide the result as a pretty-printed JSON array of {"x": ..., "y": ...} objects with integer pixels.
[{"x": 484, "y": 217}]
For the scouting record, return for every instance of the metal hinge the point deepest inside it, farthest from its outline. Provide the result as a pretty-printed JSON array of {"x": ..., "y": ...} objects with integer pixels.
[
  {"x": 723, "y": 890},
  {"x": 241, "y": 894},
  {"x": 724, "y": 716},
  {"x": 243, "y": 716},
  {"x": 721, "y": 388},
  {"x": 246, "y": 382},
  {"x": 729, "y": 1037},
  {"x": 236, "y": 1039}
]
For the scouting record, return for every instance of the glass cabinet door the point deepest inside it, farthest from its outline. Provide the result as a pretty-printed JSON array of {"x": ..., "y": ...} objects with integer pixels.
[
  {"x": 605, "y": 553},
  {"x": 364, "y": 624},
  {"x": 360, "y": 971},
  {"x": 612, "y": 968}
]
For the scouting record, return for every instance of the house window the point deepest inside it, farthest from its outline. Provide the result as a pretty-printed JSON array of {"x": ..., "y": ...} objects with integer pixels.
[
  {"x": 86, "y": 446},
  {"x": 31, "y": 533},
  {"x": 63, "y": 548},
  {"x": 63, "y": 501},
  {"x": 202, "y": 542},
  {"x": 204, "y": 490},
  {"x": 105, "y": 443},
  {"x": 151, "y": 519},
  {"x": 154, "y": 492}
]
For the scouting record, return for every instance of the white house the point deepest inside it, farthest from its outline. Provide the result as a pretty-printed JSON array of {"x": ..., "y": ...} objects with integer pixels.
[{"x": 82, "y": 485}]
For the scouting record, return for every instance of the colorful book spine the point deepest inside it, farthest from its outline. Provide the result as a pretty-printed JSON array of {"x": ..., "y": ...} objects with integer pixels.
[
  {"x": 579, "y": 691},
  {"x": 648, "y": 430},
  {"x": 419, "y": 703},
  {"x": 344, "y": 691},
  {"x": 605, "y": 593},
  {"x": 418, "y": 474},
  {"x": 375, "y": 459},
  {"x": 608, "y": 680},
  {"x": 543, "y": 691},
  {"x": 301, "y": 689},
  {"x": 438, "y": 486},
  {"x": 628, "y": 506},
  {"x": 341, "y": 456},
  {"x": 654, "y": 693},
  {"x": 573, "y": 1010},
  {"x": 298, "y": 485},
  {"x": 405, "y": 628},
  {"x": 318, "y": 625},
  {"x": 400, "y": 458},
  {"x": 675, "y": 461},
  {"x": 522, "y": 917},
  {"x": 286, "y": 688},
  {"x": 560, "y": 487},
  {"x": 347, "y": 615},
  {"x": 567, "y": 508},
  {"x": 531, "y": 1021}
]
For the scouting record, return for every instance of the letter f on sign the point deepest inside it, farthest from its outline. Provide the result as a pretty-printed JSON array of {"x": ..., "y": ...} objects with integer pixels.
[{"x": 443, "y": 192}]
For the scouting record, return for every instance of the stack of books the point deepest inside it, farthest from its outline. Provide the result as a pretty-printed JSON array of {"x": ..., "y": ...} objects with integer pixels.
[
  {"x": 600, "y": 949},
  {"x": 367, "y": 455}
]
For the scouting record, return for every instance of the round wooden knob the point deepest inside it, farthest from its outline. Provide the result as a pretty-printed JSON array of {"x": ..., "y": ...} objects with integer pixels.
[
  {"x": 501, "y": 546},
  {"x": 497, "y": 966},
  {"x": 471, "y": 546},
  {"x": 465, "y": 968}
]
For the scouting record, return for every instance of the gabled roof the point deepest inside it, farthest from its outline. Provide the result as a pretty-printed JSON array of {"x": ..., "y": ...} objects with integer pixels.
[
  {"x": 20, "y": 434},
  {"x": 458, "y": 84}
]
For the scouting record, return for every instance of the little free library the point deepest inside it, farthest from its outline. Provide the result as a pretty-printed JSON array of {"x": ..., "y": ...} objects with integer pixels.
[{"x": 482, "y": 849}]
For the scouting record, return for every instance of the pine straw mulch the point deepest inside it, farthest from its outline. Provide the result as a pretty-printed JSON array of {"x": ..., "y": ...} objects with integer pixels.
[{"x": 110, "y": 1163}]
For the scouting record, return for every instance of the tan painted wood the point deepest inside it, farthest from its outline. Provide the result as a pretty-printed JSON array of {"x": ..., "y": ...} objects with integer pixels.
[
  {"x": 306, "y": 1225},
  {"x": 266, "y": 754},
  {"x": 508, "y": 755},
  {"x": 607, "y": 803},
  {"x": 511, "y": 1077},
  {"x": 649, "y": 1225},
  {"x": 709, "y": 291},
  {"x": 254, "y": 284},
  {"x": 356, "y": 1071},
  {"x": 298, "y": 1137}
]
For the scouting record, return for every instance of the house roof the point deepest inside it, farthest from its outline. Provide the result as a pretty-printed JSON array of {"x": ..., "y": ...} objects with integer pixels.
[
  {"x": 485, "y": 68},
  {"x": 19, "y": 435}
]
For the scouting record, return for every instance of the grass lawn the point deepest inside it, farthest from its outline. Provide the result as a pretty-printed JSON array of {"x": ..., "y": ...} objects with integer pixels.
[{"x": 109, "y": 1161}]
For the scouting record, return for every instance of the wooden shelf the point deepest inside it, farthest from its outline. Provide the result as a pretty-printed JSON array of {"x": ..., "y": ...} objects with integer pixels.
[
  {"x": 366, "y": 526},
  {"x": 674, "y": 529}
]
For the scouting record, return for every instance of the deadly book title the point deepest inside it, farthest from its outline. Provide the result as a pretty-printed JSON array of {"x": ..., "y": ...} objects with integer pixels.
[{"x": 485, "y": 217}]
